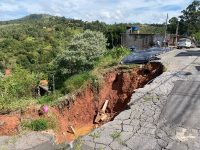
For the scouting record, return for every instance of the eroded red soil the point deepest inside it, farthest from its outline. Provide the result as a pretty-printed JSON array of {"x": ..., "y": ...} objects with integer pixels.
[
  {"x": 117, "y": 87},
  {"x": 9, "y": 124}
]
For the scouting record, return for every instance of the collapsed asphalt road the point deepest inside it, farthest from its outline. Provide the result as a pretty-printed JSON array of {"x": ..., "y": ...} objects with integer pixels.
[{"x": 164, "y": 115}]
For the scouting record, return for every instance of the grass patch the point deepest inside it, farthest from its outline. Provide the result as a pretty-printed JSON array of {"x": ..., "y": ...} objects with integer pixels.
[
  {"x": 78, "y": 144},
  {"x": 15, "y": 104},
  {"x": 115, "y": 135},
  {"x": 112, "y": 57},
  {"x": 75, "y": 82},
  {"x": 45, "y": 100},
  {"x": 37, "y": 125},
  {"x": 95, "y": 135},
  {"x": 109, "y": 60},
  {"x": 149, "y": 97},
  {"x": 164, "y": 69},
  {"x": 40, "y": 124},
  {"x": 49, "y": 99}
]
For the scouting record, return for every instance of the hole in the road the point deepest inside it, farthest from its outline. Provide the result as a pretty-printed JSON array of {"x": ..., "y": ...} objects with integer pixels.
[
  {"x": 146, "y": 72},
  {"x": 197, "y": 68},
  {"x": 90, "y": 107},
  {"x": 186, "y": 73}
]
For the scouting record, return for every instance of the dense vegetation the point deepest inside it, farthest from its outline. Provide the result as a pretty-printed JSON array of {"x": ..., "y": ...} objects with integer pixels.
[
  {"x": 33, "y": 44},
  {"x": 34, "y": 41},
  {"x": 17, "y": 90},
  {"x": 70, "y": 54}
]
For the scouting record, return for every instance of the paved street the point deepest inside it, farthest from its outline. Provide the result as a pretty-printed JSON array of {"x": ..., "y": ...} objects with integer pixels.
[
  {"x": 164, "y": 115},
  {"x": 27, "y": 141}
]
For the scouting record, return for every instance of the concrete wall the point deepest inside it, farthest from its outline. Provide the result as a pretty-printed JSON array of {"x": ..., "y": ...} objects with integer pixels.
[{"x": 140, "y": 41}]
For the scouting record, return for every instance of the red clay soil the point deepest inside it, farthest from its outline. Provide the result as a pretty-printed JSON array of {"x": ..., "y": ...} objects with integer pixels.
[
  {"x": 9, "y": 124},
  {"x": 117, "y": 87}
]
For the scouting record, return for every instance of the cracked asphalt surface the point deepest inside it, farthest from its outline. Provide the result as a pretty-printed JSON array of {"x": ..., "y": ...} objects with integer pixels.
[{"x": 164, "y": 115}]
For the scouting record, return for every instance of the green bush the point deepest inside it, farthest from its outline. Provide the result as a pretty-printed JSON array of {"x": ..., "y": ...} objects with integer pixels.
[
  {"x": 17, "y": 89},
  {"x": 118, "y": 52},
  {"x": 40, "y": 124},
  {"x": 37, "y": 125},
  {"x": 197, "y": 36},
  {"x": 49, "y": 99},
  {"x": 19, "y": 84},
  {"x": 45, "y": 99},
  {"x": 7, "y": 104},
  {"x": 112, "y": 57}
]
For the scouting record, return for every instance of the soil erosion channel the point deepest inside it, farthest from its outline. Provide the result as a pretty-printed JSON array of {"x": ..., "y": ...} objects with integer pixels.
[
  {"x": 117, "y": 87},
  {"x": 78, "y": 114}
]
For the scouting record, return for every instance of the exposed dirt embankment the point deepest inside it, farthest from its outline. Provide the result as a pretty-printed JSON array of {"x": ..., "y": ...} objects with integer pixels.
[
  {"x": 78, "y": 112},
  {"x": 117, "y": 87}
]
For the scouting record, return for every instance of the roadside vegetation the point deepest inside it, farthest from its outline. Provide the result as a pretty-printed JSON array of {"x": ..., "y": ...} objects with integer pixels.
[
  {"x": 17, "y": 89},
  {"x": 39, "y": 124},
  {"x": 80, "y": 62}
]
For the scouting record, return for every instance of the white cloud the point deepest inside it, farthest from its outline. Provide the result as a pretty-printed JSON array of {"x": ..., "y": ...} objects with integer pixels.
[
  {"x": 110, "y": 11},
  {"x": 105, "y": 14}
]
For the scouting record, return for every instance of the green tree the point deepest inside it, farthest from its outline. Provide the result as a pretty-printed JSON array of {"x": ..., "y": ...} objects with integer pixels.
[
  {"x": 197, "y": 36},
  {"x": 172, "y": 25},
  {"x": 191, "y": 17},
  {"x": 82, "y": 53}
]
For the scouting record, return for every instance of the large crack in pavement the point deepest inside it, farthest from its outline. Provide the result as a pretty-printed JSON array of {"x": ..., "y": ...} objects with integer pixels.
[
  {"x": 143, "y": 126},
  {"x": 164, "y": 115}
]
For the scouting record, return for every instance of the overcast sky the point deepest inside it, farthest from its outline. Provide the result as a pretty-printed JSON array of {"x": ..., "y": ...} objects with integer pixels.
[{"x": 109, "y": 11}]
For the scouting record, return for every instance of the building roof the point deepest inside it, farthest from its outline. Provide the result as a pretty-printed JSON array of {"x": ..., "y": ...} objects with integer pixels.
[
  {"x": 43, "y": 82},
  {"x": 44, "y": 88},
  {"x": 139, "y": 33}
]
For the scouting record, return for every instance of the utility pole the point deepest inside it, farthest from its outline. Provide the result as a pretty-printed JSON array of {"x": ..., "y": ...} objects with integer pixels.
[
  {"x": 53, "y": 84},
  {"x": 112, "y": 38},
  {"x": 177, "y": 28},
  {"x": 166, "y": 30}
]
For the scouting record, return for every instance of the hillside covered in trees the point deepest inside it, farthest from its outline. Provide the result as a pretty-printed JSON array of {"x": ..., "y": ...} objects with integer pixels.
[{"x": 33, "y": 41}]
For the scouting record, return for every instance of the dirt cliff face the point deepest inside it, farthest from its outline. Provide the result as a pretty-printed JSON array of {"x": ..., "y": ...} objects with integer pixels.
[
  {"x": 80, "y": 111},
  {"x": 117, "y": 87}
]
